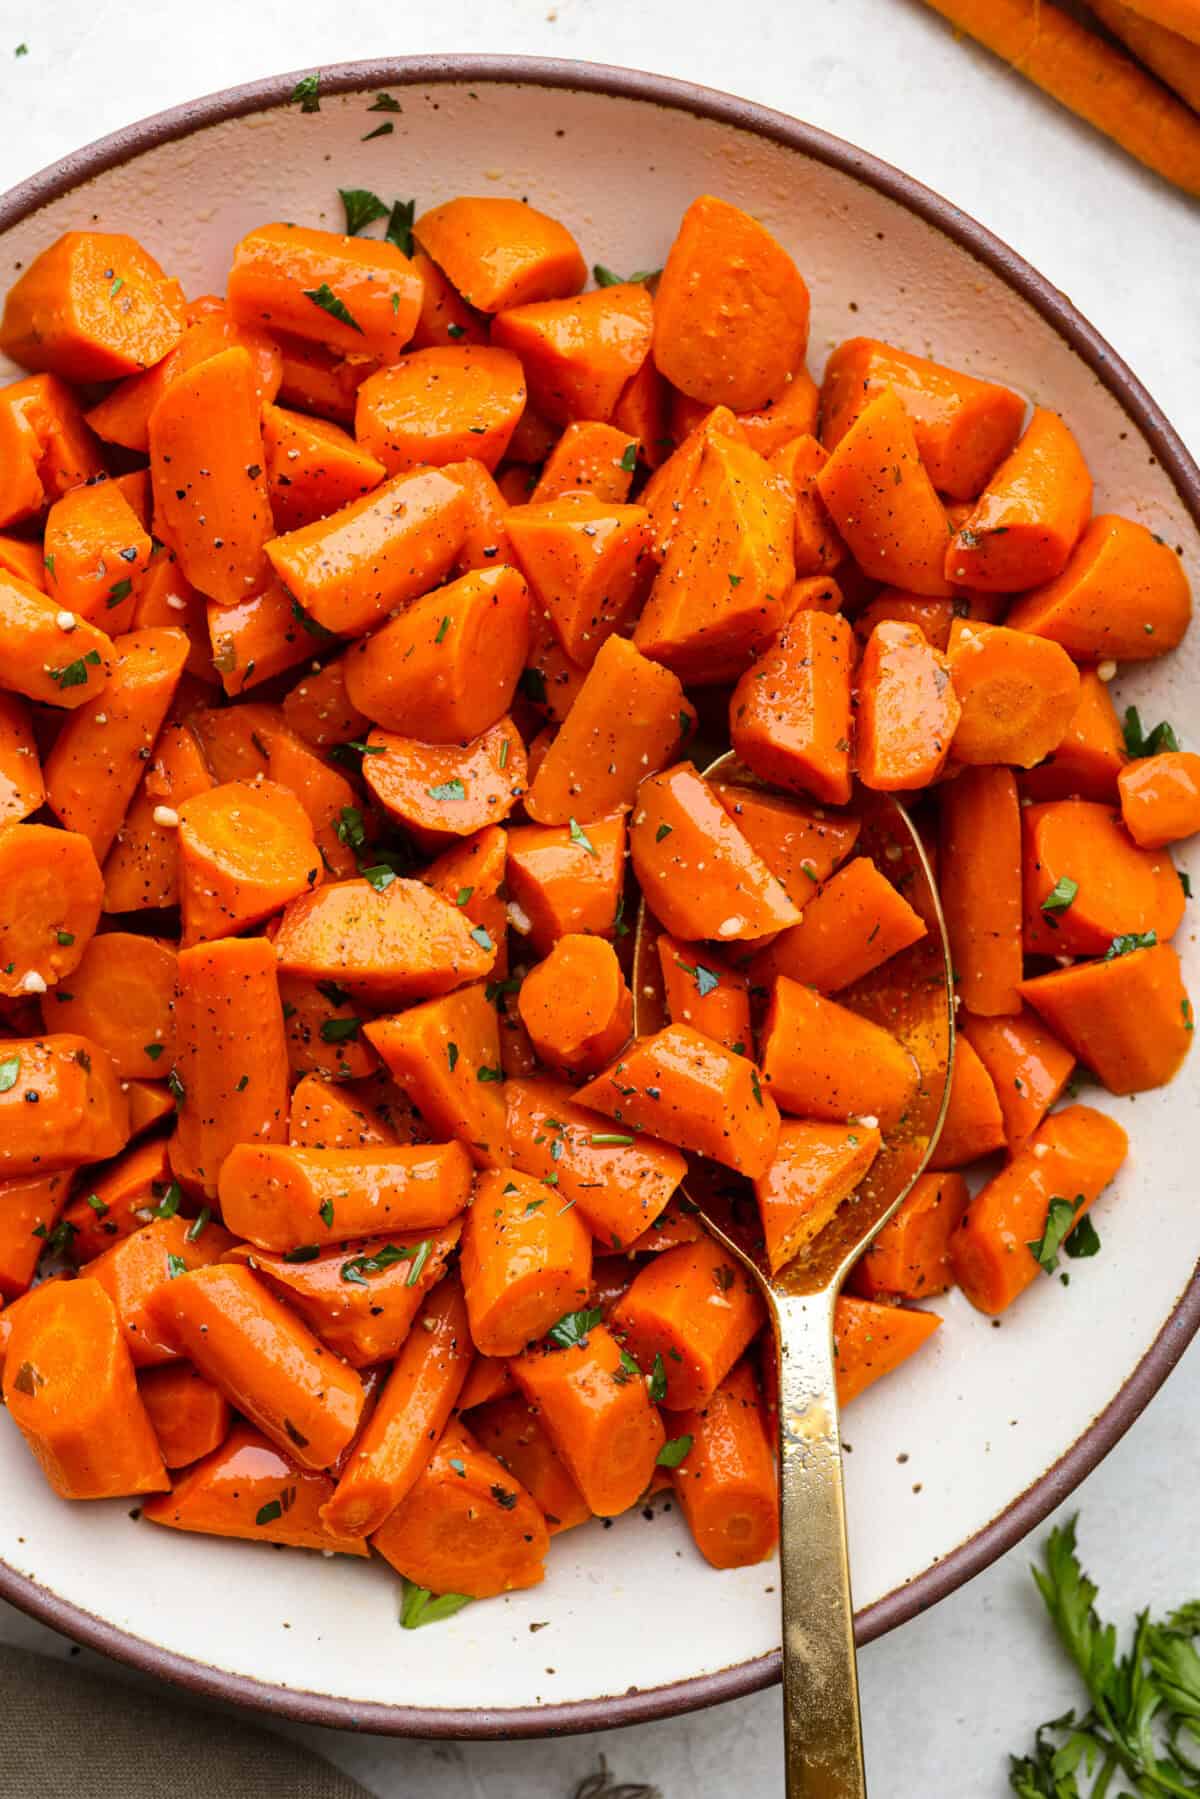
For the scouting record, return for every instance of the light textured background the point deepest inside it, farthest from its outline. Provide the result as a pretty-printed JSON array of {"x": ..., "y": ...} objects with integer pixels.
[{"x": 948, "y": 1696}]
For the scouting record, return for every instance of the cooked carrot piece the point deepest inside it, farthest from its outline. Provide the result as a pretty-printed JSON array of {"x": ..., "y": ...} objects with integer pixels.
[
  {"x": 720, "y": 595},
  {"x": 360, "y": 1297},
  {"x": 576, "y": 1006},
  {"x": 92, "y": 307},
  {"x": 510, "y": 1429},
  {"x": 22, "y": 790},
  {"x": 1123, "y": 593},
  {"x": 551, "y": 681},
  {"x": 326, "y": 797},
  {"x": 149, "y": 1103},
  {"x": 410, "y": 1416},
  {"x": 908, "y": 710},
  {"x": 790, "y": 717},
  {"x": 974, "y": 1121},
  {"x": 323, "y": 1031},
  {"x": 693, "y": 1092},
  {"x": 445, "y": 1054},
  {"x": 1130, "y": 1019},
  {"x": 210, "y": 493},
  {"x": 589, "y": 458},
  {"x": 30, "y": 1207},
  {"x": 1160, "y": 798},
  {"x": 47, "y": 660},
  {"x": 94, "y": 546},
  {"x": 1088, "y": 760},
  {"x": 390, "y": 942},
  {"x": 673, "y": 480},
  {"x": 258, "y": 638},
  {"x": 815, "y": 1168},
  {"x": 485, "y": 544},
  {"x": 249, "y": 1487},
  {"x": 817, "y": 543},
  {"x": 910, "y": 1258},
  {"x": 1028, "y": 1065},
  {"x": 47, "y": 446},
  {"x": 286, "y": 1198},
  {"x": 823, "y": 1061},
  {"x": 236, "y": 740},
  {"x": 99, "y": 755},
  {"x": 230, "y": 1074},
  {"x": 979, "y": 879},
  {"x": 964, "y": 427},
  {"x": 318, "y": 708},
  {"x": 447, "y": 790},
  {"x": 727, "y": 1485},
  {"x": 114, "y": 1202},
  {"x": 320, "y": 381},
  {"x": 694, "y": 1309},
  {"x": 245, "y": 850},
  {"x": 187, "y": 1414},
  {"x": 801, "y": 848},
  {"x": 931, "y": 617},
  {"x": 579, "y": 353},
  {"x": 674, "y": 1226},
  {"x": 69, "y": 1388},
  {"x": 325, "y": 1115},
  {"x": 620, "y": 1181},
  {"x": 470, "y": 875},
  {"x": 121, "y": 997},
  {"x": 731, "y": 311},
  {"x": 24, "y": 560},
  {"x": 597, "y": 1415},
  {"x": 488, "y": 1378},
  {"x": 313, "y": 467},
  {"x": 136, "y": 1266},
  {"x": 123, "y": 416},
  {"x": 699, "y": 875},
  {"x": 141, "y": 870},
  {"x": 445, "y": 318},
  {"x": 855, "y": 922},
  {"x": 162, "y": 595},
  {"x": 441, "y": 405},
  {"x": 870, "y": 1340},
  {"x": 1018, "y": 693},
  {"x": 466, "y": 1526},
  {"x": 1030, "y": 515},
  {"x": 526, "y": 1261},
  {"x": 78, "y": 1112},
  {"x": 703, "y": 992},
  {"x": 1087, "y": 882},
  {"x": 1072, "y": 1155},
  {"x": 500, "y": 252},
  {"x": 559, "y": 884},
  {"x": 816, "y": 593},
  {"x": 881, "y": 499},
  {"x": 781, "y": 421},
  {"x": 588, "y": 565},
  {"x": 21, "y": 493},
  {"x": 446, "y": 670},
  {"x": 305, "y": 282},
  {"x": 50, "y": 893},
  {"x": 348, "y": 571}
]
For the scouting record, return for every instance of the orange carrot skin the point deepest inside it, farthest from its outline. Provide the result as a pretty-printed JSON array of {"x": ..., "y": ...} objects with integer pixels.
[
  {"x": 252, "y": 1488},
  {"x": 871, "y": 1340},
  {"x": 896, "y": 529},
  {"x": 1121, "y": 888},
  {"x": 121, "y": 998},
  {"x": 727, "y": 1485},
  {"x": 1029, "y": 517},
  {"x": 447, "y": 790},
  {"x": 30, "y": 1207},
  {"x": 1088, "y": 761},
  {"x": 910, "y": 1258},
  {"x": 721, "y": 1012},
  {"x": 392, "y": 944},
  {"x": 187, "y": 1414},
  {"x": 278, "y": 269},
  {"x": 815, "y": 1168},
  {"x": 509, "y": 1428},
  {"x": 908, "y": 711},
  {"x": 94, "y": 546},
  {"x": 62, "y": 313},
  {"x": 526, "y": 1262},
  {"x": 445, "y": 317},
  {"x": 576, "y": 1006},
  {"x": 50, "y": 892},
  {"x": 1130, "y": 1020},
  {"x": 80, "y": 1113},
  {"x": 445, "y": 1055},
  {"x": 41, "y": 660},
  {"x": 694, "y": 1308},
  {"x": 499, "y": 252},
  {"x": 979, "y": 878},
  {"x": 328, "y": 1115},
  {"x": 559, "y": 885},
  {"x": 69, "y": 1387},
  {"x": 409, "y": 1418},
  {"x": 439, "y": 405},
  {"x": 123, "y": 416},
  {"x": 588, "y": 565},
  {"x": 578, "y": 353},
  {"x": 1160, "y": 798},
  {"x": 855, "y": 922},
  {"x": 801, "y": 848},
  {"x": 589, "y": 458},
  {"x": 256, "y": 638},
  {"x": 287, "y": 1198},
  {"x": 790, "y": 714},
  {"x": 134, "y": 1268},
  {"x": 820, "y": 1060},
  {"x": 1028, "y": 1065},
  {"x": 974, "y": 1122},
  {"x": 1073, "y": 1155},
  {"x": 313, "y": 467},
  {"x": 1123, "y": 594}
]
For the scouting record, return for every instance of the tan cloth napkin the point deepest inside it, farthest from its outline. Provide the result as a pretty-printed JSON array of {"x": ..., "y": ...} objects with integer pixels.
[{"x": 67, "y": 1734}]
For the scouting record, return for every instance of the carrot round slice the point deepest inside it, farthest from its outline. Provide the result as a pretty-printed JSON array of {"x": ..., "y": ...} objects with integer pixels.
[
  {"x": 50, "y": 894},
  {"x": 78, "y": 1112},
  {"x": 576, "y": 1006},
  {"x": 441, "y": 405},
  {"x": 447, "y": 790},
  {"x": 244, "y": 851},
  {"x": 122, "y": 996}
]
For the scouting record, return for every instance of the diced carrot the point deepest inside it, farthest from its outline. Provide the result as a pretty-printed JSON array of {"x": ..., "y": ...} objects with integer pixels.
[
  {"x": 1123, "y": 593},
  {"x": 702, "y": 992},
  {"x": 500, "y": 252},
  {"x": 931, "y": 617},
  {"x": 22, "y": 789},
  {"x": 597, "y": 1415},
  {"x": 576, "y": 1006},
  {"x": 17, "y": 557},
  {"x": 162, "y": 595},
  {"x": 974, "y": 1122},
  {"x": 881, "y": 499},
  {"x": 1018, "y": 693},
  {"x": 134, "y": 1268},
  {"x": 1029, "y": 517},
  {"x": 447, "y": 790},
  {"x": 123, "y": 416},
  {"x": 322, "y": 1031},
  {"x": 355, "y": 295},
  {"x": 470, "y": 875},
  {"x": 770, "y": 428},
  {"x": 815, "y": 1168},
  {"x": 46, "y": 446},
  {"x": 801, "y": 848},
  {"x": 790, "y": 716},
  {"x": 510, "y": 1429},
  {"x": 579, "y": 353},
  {"x": 823, "y": 1061},
  {"x": 141, "y": 870},
  {"x": 445, "y": 317},
  {"x": 93, "y": 548},
  {"x": 870, "y": 1340},
  {"x": 93, "y": 306},
  {"x": 121, "y": 997},
  {"x": 488, "y": 1378},
  {"x": 47, "y": 660},
  {"x": 642, "y": 412},
  {"x": 30, "y": 1208},
  {"x": 526, "y": 1261},
  {"x": 697, "y": 1312},
  {"x": 588, "y": 565},
  {"x": 287, "y": 1198},
  {"x": 78, "y": 1113},
  {"x": 50, "y": 892},
  {"x": 1087, "y": 882},
  {"x": 559, "y": 884},
  {"x": 318, "y": 708},
  {"x": 187, "y": 1414},
  {"x": 1028, "y": 1065},
  {"x": 668, "y": 487},
  {"x": 390, "y": 942},
  {"x": 979, "y": 879},
  {"x": 245, "y": 850},
  {"x": 485, "y": 544},
  {"x": 910, "y": 1258},
  {"x": 114, "y": 1202},
  {"x": 674, "y": 1226},
  {"x": 325, "y": 1115},
  {"x": 327, "y": 798},
  {"x": 441, "y": 405},
  {"x": 855, "y": 922},
  {"x": 727, "y": 1485},
  {"x": 1160, "y": 798},
  {"x": 817, "y": 542},
  {"x": 317, "y": 380},
  {"x": 908, "y": 710},
  {"x": 589, "y": 458},
  {"x": 445, "y": 1054},
  {"x": 1129, "y": 1019},
  {"x": 1088, "y": 760},
  {"x": 313, "y": 468}
]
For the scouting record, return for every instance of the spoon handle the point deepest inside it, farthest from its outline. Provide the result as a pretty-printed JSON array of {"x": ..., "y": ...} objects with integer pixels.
[{"x": 822, "y": 1733}]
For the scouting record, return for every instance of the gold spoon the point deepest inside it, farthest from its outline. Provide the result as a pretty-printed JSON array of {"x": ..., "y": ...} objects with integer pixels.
[{"x": 911, "y": 995}]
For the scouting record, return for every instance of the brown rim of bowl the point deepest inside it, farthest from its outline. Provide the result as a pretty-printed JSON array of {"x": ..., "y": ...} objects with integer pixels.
[{"x": 1052, "y": 1487}]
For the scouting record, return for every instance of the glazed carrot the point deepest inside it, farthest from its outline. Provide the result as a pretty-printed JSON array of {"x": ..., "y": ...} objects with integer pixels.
[
  {"x": 1072, "y": 1155},
  {"x": 870, "y": 1340},
  {"x": 447, "y": 668},
  {"x": 588, "y": 565},
  {"x": 532, "y": 442},
  {"x": 731, "y": 311},
  {"x": 720, "y": 595},
  {"x": 620, "y": 1181},
  {"x": 80, "y": 1113},
  {"x": 801, "y": 848},
  {"x": 245, "y": 850},
  {"x": 94, "y": 546},
  {"x": 979, "y": 879},
  {"x": 1086, "y": 882},
  {"x": 1031, "y": 514},
  {"x": 781, "y": 421},
  {"x": 1160, "y": 798},
  {"x": 69, "y": 1387},
  {"x": 21, "y": 493},
  {"x": 703, "y": 992},
  {"x": 206, "y": 463},
  {"x": 510, "y": 1429},
  {"x": 313, "y": 467},
  {"x": 932, "y": 618},
  {"x": 488, "y": 1378},
  {"x": 908, "y": 710},
  {"x": 726, "y": 1484},
  {"x": 141, "y": 870},
  {"x": 694, "y": 1309},
  {"x": 149, "y": 1103},
  {"x": 50, "y": 892},
  {"x": 470, "y": 875},
  {"x": 99, "y": 755},
  {"x": 236, "y": 740},
  {"x": 559, "y": 884},
  {"x": 674, "y": 1226},
  {"x": 267, "y": 1364},
  {"x": 1174, "y": 58},
  {"x": 327, "y": 798},
  {"x": 441, "y": 405},
  {"x": 42, "y": 655},
  {"x": 322, "y": 1030},
  {"x": 30, "y": 1208},
  {"x": 485, "y": 544},
  {"x": 47, "y": 446},
  {"x": 597, "y": 1415},
  {"x": 92, "y": 307},
  {"x": 576, "y": 1006},
  {"x": 22, "y": 790},
  {"x": 318, "y": 708},
  {"x": 329, "y": 1116},
  {"x": 679, "y": 830},
  {"x": 387, "y": 940},
  {"x": 188, "y": 1416},
  {"x": 1130, "y": 1019},
  {"x": 526, "y": 1261},
  {"x": 964, "y": 427},
  {"x": 1123, "y": 593},
  {"x": 162, "y": 595},
  {"x": 320, "y": 381},
  {"x": 668, "y": 487},
  {"x": 447, "y": 790},
  {"x": 692, "y": 1092},
  {"x": 815, "y": 1168},
  {"x": 500, "y": 252},
  {"x": 589, "y": 458},
  {"x": 305, "y": 282},
  {"x": 823, "y": 1061},
  {"x": 230, "y": 1073},
  {"x": 1079, "y": 70},
  {"x": 20, "y": 558},
  {"x": 445, "y": 318},
  {"x": 361, "y": 1297},
  {"x": 551, "y": 681},
  {"x": 467, "y": 1526},
  {"x": 1088, "y": 760},
  {"x": 882, "y": 500},
  {"x": 910, "y": 1258},
  {"x": 817, "y": 543},
  {"x": 286, "y": 1198},
  {"x": 123, "y": 416},
  {"x": 579, "y": 353},
  {"x": 855, "y": 922},
  {"x": 445, "y": 1054},
  {"x": 974, "y": 1121},
  {"x": 790, "y": 717},
  {"x": 1028, "y": 1065},
  {"x": 121, "y": 998},
  {"x": 1018, "y": 693},
  {"x": 249, "y": 1487},
  {"x": 816, "y": 593},
  {"x": 138, "y": 1265},
  {"x": 113, "y": 1202}
]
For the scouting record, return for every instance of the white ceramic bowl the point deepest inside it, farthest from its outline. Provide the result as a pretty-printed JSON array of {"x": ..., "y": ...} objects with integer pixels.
[{"x": 992, "y": 1425}]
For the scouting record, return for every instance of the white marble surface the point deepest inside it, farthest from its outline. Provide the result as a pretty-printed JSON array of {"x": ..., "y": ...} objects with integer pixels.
[{"x": 948, "y": 1696}]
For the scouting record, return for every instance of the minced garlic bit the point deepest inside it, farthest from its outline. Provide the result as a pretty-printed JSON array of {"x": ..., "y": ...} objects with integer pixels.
[
  {"x": 66, "y": 621},
  {"x": 176, "y": 602},
  {"x": 166, "y": 816},
  {"x": 519, "y": 919},
  {"x": 1107, "y": 670},
  {"x": 33, "y": 983}
]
